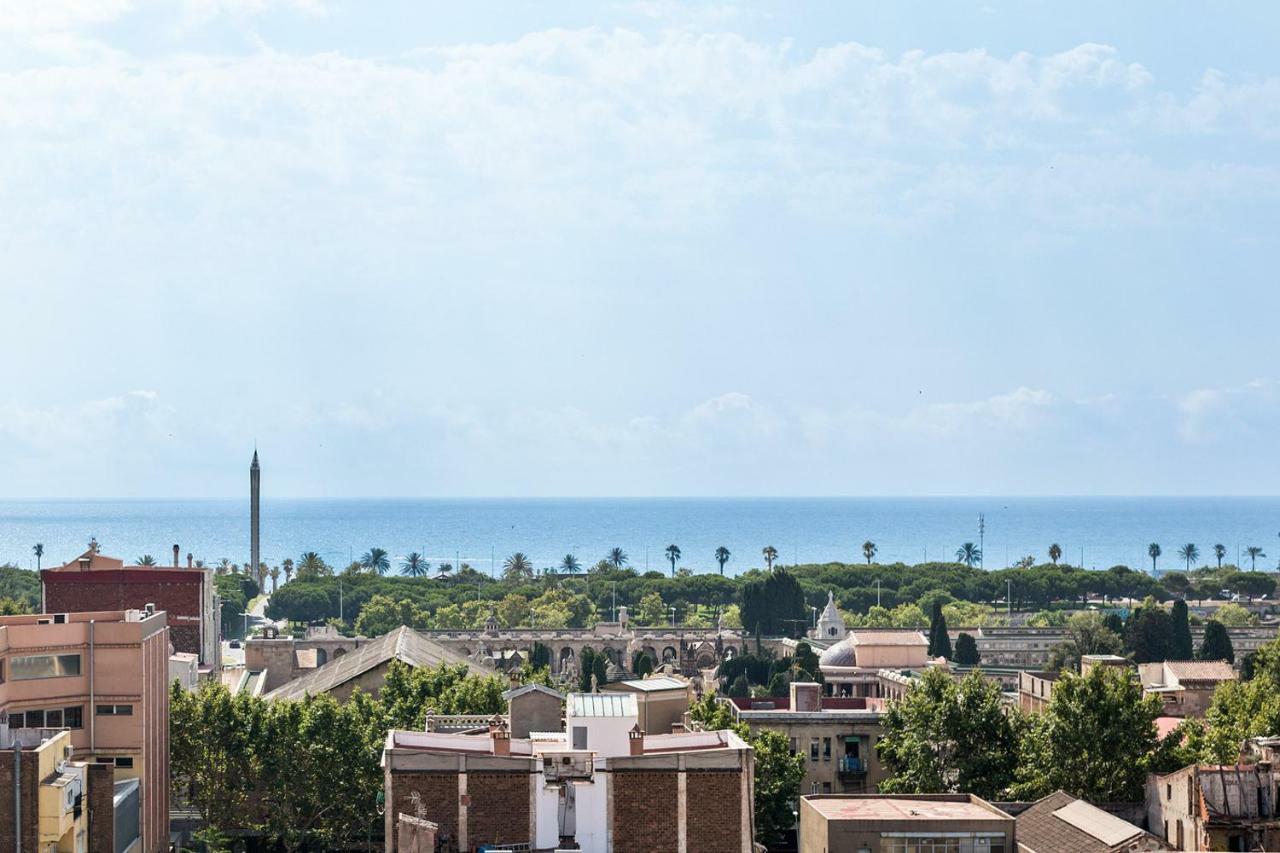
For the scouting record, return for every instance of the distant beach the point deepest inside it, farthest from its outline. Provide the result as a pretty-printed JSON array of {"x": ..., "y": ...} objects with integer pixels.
[{"x": 1105, "y": 531}]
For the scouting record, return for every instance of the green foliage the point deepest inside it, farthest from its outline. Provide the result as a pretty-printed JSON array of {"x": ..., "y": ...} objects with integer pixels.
[
  {"x": 777, "y": 785},
  {"x": 967, "y": 650},
  {"x": 382, "y": 615},
  {"x": 775, "y": 605},
  {"x": 540, "y": 657},
  {"x": 1096, "y": 740},
  {"x": 939, "y": 639},
  {"x": 1180, "y": 629},
  {"x": 1217, "y": 643},
  {"x": 946, "y": 736},
  {"x": 641, "y": 664},
  {"x": 1087, "y": 634},
  {"x": 1233, "y": 615},
  {"x": 740, "y": 687},
  {"x": 1149, "y": 634},
  {"x": 653, "y": 610},
  {"x": 806, "y": 661},
  {"x": 21, "y": 586}
]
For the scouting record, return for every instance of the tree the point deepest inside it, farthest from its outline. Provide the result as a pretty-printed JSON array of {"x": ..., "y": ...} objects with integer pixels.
[
  {"x": 774, "y": 604},
  {"x": 948, "y": 736},
  {"x": 673, "y": 554},
  {"x": 312, "y": 565},
  {"x": 770, "y": 554},
  {"x": 600, "y": 669},
  {"x": 939, "y": 639},
  {"x": 586, "y": 667},
  {"x": 1153, "y": 551},
  {"x": 1055, "y": 553},
  {"x": 722, "y": 557},
  {"x": 517, "y": 567},
  {"x": 967, "y": 650},
  {"x": 414, "y": 565},
  {"x": 287, "y": 568},
  {"x": 375, "y": 560},
  {"x": 1253, "y": 584},
  {"x": 1219, "y": 551},
  {"x": 1233, "y": 615},
  {"x": 740, "y": 687},
  {"x": 146, "y": 560},
  {"x": 1180, "y": 631},
  {"x": 1189, "y": 553},
  {"x": 868, "y": 550},
  {"x": 969, "y": 554},
  {"x": 275, "y": 578},
  {"x": 652, "y": 611},
  {"x": 540, "y": 657},
  {"x": 777, "y": 785},
  {"x": 641, "y": 664},
  {"x": 1149, "y": 634},
  {"x": 1217, "y": 643},
  {"x": 570, "y": 565},
  {"x": 1253, "y": 552},
  {"x": 617, "y": 558},
  {"x": 1095, "y": 740},
  {"x": 38, "y": 550}
]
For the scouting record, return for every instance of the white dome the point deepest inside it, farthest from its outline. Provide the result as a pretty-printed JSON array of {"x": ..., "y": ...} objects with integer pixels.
[{"x": 841, "y": 654}]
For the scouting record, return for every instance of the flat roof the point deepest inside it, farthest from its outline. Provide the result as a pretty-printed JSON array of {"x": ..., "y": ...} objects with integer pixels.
[
  {"x": 602, "y": 705},
  {"x": 892, "y": 808},
  {"x": 662, "y": 682}
]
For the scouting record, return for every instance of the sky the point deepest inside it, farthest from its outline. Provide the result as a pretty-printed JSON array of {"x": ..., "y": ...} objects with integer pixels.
[{"x": 638, "y": 248}]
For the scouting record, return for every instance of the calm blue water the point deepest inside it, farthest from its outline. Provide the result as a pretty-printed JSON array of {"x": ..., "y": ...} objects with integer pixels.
[{"x": 1106, "y": 530}]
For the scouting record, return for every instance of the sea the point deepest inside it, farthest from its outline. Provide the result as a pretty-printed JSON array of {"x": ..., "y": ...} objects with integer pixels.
[{"x": 1096, "y": 532}]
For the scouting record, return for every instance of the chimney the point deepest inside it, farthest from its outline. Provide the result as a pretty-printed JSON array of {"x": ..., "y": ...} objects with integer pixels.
[
  {"x": 176, "y": 552},
  {"x": 513, "y": 676},
  {"x": 501, "y": 740},
  {"x": 636, "y": 737},
  {"x": 806, "y": 696},
  {"x": 190, "y": 560}
]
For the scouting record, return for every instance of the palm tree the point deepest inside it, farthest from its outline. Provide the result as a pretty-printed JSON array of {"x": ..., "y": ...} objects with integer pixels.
[
  {"x": 570, "y": 565},
  {"x": 1254, "y": 552},
  {"x": 1055, "y": 553},
  {"x": 287, "y": 566},
  {"x": 224, "y": 566},
  {"x": 868, "y": 550},
  {"x": 616, "y": 558},
  {"x": 311, "y": 564},
  {"x": 38, "y": 550},
  {"x": 1189, "y": 552},
  {"x": 969, "y": 554},
  {"x": 770, "y": 554},
  {"x": 673, "y": 554},
  {"x": 275, "y": 578},
  {"x": 722, "y": 557},
  {"x": 375, "y": 560},
  {"x": 1219, "y": 551},
  {"x": 1154, "y": 552},
  {"x": 517, "y": 566},
  {"x": 146, "y": 560},
  {"x": 445, "y": 568},
  {"x": 414, "y": 565}
]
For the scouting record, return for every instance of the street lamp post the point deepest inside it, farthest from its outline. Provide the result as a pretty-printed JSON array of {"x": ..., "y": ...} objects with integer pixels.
[{"x": 877, "y": 592}]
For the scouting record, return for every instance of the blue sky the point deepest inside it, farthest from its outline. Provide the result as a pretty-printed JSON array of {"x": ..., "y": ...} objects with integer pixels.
[{"x": 648, "y": 248}]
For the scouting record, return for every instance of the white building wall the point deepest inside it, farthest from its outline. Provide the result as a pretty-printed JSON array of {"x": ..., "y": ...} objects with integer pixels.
[
  {"x": 593, "y": 812},
  {"x": 547, "y": 815}
]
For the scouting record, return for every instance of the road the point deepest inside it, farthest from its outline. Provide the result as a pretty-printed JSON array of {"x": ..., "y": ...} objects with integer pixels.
[{"x": 232, "y": 657}]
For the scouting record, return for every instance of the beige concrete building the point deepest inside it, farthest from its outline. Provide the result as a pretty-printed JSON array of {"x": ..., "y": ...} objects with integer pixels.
[
  {"x": 102, "y": 676},
  {"x": 922, "y": 823},
  {"x": 662, "y": 700},
  {"x": 851, "y": 667},
  {"x": 1210, "y": 807},
  {"x": 1184, "y": 686},
  {"x": 837, "y": 736}
]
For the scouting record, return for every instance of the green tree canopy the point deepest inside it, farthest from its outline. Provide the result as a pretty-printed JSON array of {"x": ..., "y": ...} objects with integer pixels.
[
  {"x": 967, "y": 650},
  {"x": 1180, "y": 632},
  {"x": 939, "y": 639},
  {"x": 1216, "y": 644},
  {"x": 1149, "y": 634}
]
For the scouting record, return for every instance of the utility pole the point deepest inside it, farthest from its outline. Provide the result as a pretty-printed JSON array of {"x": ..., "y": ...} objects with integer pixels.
[
  {"x": 982, "y": 535},
  {"x": 877, "y": 592},
  {"x": 1008, "y": 596}
]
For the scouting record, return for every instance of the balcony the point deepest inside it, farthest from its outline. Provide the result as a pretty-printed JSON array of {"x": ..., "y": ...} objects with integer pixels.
[{"x": 851, "y": 766}]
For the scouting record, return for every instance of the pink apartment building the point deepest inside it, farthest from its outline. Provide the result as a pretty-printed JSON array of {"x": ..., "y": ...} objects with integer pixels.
[{"x": 103, "y": 676}]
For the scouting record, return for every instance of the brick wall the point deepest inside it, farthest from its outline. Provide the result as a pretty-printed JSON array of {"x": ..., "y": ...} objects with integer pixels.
[
  {"x": 645, "y": 811},
  {"x": 172, "y": 590},
  {"x": 102, "y": 818},
  {"x": 499, "y": 810},
  {"x": 713, "y": 813},
  {"x": 30, "y": 787},
  {"x": 439, "y": 793}
]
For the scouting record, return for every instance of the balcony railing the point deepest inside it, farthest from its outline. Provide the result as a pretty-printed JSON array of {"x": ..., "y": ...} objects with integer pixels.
[{"x": 851, "y": 765}]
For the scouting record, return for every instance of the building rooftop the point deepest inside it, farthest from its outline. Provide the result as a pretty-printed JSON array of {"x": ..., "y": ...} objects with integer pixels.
[
  {"x": 602, "y": 705},
  {"x": 861, "y": 637},
  {"x": 403, "y": 644},
  {"x": 1059, "y": 823},
  {"x": 1201, "y": 670},
  {"x": 923, "y": 808},
  {"x": 649, "y": 685}
]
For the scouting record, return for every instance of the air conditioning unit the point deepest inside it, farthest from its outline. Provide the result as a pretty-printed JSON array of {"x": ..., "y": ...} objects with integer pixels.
[
  {"x": 567, "y": 766},
  {"x": 59, "y": 618}
]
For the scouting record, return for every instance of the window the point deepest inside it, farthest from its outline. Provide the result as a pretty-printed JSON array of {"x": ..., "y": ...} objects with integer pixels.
[
  {"x": 795, "y": 746},
  {"x": 826, "y": 787},
  {"x": 115, "y": 710},
  {"x": 125, "y": 761},
  {"x": 1168, "y": 790},
  {"x": 53, "y": 719},
  {"x": 826, "y": 749},
  {"x": 813, "y": 749},
  {"x": 44, "y": 666}
]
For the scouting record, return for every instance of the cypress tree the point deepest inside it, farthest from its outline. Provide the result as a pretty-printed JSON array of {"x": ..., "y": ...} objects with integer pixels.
[
  {"x": 1217, "y": 643},
  {"x": 939, "y": 640},
  {"x": 1182, "y": 648},
  {"x": 967, "y": 650}
]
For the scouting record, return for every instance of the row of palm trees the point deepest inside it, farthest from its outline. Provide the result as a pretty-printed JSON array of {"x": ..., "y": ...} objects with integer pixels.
[{"x": 1190, "y": 553}]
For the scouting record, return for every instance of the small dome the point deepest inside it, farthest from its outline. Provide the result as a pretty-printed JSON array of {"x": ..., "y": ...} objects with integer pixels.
[{"x": 841, "y": 654}]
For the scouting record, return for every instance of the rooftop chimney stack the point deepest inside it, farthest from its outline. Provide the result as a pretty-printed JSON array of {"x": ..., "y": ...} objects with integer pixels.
[
  {"x": 806, "y": 696},
  {"x": 501, "y": 740},
  {"x": 636, "y": 738},
  {"x": 190, "y": 562},
  {"x": 176, "y": 552}
]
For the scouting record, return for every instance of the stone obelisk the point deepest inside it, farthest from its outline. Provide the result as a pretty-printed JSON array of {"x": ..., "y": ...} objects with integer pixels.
[{"x": 255, "y": 489}]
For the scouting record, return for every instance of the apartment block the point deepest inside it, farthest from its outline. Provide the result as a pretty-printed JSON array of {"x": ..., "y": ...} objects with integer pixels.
[
  {"x": 920, "y": 823},
  {"x": 103, "y": 678},
  {"x": 599, "y": 784},
  {"x": 94, "y": 582},
  {"x": 1212, "y": 807}
]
